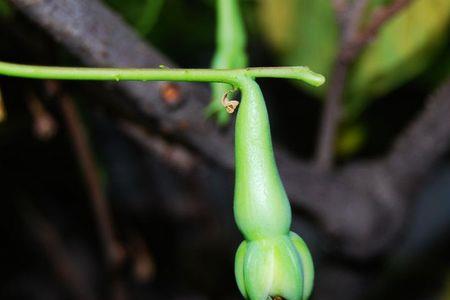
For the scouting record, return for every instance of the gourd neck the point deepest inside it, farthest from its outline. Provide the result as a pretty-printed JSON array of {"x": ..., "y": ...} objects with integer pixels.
[{"x": 261, "y": 206}]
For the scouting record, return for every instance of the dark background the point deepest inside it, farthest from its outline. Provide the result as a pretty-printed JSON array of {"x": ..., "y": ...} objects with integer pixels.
[{"x": 169, "y": 206}]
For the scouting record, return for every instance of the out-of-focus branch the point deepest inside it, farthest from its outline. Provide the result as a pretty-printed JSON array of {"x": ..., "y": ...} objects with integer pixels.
[
  {"x": 353, "y": 40},
  {"x": 423, "y": 143},
  {"x": 44, "y": 125},
  {"x": 333, "y": 107},
  {"x": 99, "y": 202},
  {"x": 2, "y": 108},
  {"x": 99, "y": 37},
  {"x": 60, "y": 260},
  {"x": 353, "y": 19},
  {"x": 340, "y": 6},
  {"x": 174, "y": 155},
  {"x": 331, "y": 117},
  {"x": 113, "y": 251},
  {"x": 379, "y": 18},
  {"x": 364, "y": 205}
]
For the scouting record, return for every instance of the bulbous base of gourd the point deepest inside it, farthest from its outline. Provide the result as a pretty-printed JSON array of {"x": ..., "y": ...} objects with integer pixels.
[{"x": 278, "y": 266}]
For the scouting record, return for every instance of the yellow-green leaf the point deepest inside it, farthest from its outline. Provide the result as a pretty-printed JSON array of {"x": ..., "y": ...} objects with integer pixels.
[
  {"x": 302, "y": 32},
  {"x": 403, "y": 49},
  {"x": 305, "y": 32}
]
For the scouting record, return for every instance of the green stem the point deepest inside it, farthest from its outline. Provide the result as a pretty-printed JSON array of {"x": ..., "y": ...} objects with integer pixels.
[
  {"x": 230, "y": 27},
  {"x": 230, "y": 53},
  {"x": 231, "y": 76}
]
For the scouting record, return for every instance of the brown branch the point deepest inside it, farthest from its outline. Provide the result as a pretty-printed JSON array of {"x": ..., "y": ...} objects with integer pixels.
[
  {"x": 352, "y": 23},
  {"x": 61, "y": 261},
  {"x": 353, "y": 40},
  {"x": 352, "y": 204},
  {"x": 340, "y": 7},
  {"x": 2, "y": 108},
  {"x": 44, "y": 125},
  {"x": 331, "y": 116},
  {"x": 113, "y": 251},
  {"x": 332, "y": 112},
  {"x": 379, "y": 18},
  {"x": 99, "y": 37},
  {"x": 174, "y": 155},
  {"x": 423, "y": 143}
]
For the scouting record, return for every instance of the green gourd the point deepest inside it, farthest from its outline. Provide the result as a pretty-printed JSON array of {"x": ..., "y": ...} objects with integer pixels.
[{"x": 272, "y": 261}]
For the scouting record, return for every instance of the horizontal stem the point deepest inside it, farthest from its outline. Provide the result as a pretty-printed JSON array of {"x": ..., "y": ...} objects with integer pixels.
[
  {"x": 297, "y": 73},
  {"x": 230, "y": 76}
]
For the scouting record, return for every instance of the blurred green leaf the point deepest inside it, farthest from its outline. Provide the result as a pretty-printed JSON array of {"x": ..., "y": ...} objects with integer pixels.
[
  {"x": 149, "y": 16},
  {"x": 302, "y": 32},
  {"x": 350, "y": 140},
  {"x": 438, "y": 71},
  {"x": 446, "y": 288},
  {"x": 306, "y": 33},
  {"x": 142, "y": 14},
  {"x": 5, "y": 9},
  {"x": 402, "y": 50},
  {"x": 184, "y": 30},
  {"x": 129, "y": 9}
]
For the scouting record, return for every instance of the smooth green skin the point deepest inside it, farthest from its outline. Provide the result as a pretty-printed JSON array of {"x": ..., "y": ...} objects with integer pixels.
[
  {"x": 272, "y": 261},
  {"x": 261, "y": 206},
  {"x": 231, "y": 41},
  {"x": 280, "y": 266}
]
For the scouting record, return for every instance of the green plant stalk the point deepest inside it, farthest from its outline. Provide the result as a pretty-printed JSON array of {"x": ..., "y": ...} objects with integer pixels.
[
  {"x": 272, "y": 261},
  {"x": 230, "y": 53},
  {"x": 232, "y": 77}
]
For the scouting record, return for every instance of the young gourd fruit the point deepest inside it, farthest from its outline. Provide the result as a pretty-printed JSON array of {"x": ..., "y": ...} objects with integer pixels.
[{"x": 272, "y": 262}]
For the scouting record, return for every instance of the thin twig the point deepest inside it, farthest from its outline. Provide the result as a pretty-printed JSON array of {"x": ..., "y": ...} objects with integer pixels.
[
  {"x": 340, "y": 6},
  {"x": 113, "y": 251},
  {"x": 333, "y": 108},
  {"x": 353, "y": 20},
  {"x": 422, "y": 143},
  {"x": 353, "y": 40},
  {"x": 379, "y": 18},
  {"x": 2, "y": 108},
  {"x": 331, "y": 117},
  {"x": 61, "y": 261},
  {"x": 44, "y": 125},
  {"x": 93, "y": 182}
]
